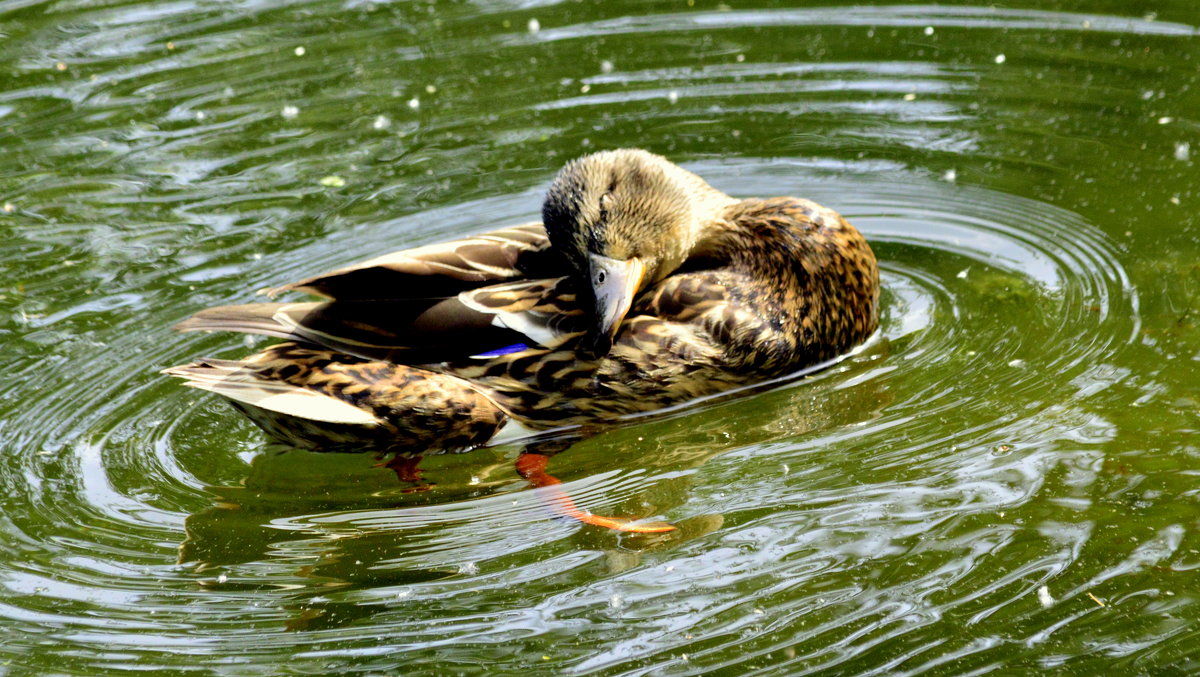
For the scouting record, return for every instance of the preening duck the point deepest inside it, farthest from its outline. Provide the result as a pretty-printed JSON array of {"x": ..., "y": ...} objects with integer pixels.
[{"x": 643, "y": 287}]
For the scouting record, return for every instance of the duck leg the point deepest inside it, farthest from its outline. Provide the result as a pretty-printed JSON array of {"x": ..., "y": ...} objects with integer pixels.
[
  {"x": 532, "y": 467},
  {"x": 407, "y": 469}
]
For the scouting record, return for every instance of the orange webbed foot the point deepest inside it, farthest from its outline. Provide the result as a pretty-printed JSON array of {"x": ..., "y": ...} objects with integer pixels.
[{"x": 532, "y": 467}]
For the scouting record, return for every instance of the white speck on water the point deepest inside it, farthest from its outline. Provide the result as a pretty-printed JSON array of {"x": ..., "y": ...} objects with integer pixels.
[
  {"x": 200, "y": 115},
  {"x": 1000, "y": 58},
  {"x": 616, "y": 601},
  {"x": 1044, "y": 597},
  {"x": 786, "y": 468},
  {"x": 911, "y": 96},
  {"x": 606, "y": 66},
  {"x": 950, "y": 176},
  {"x": 9, "y": 208},
  {"x": 584, "y": 89},
  {"x": 222, "y": 578},
  {"x": 299, "y": 51},
  {"x": 333, "y": 181},
  {"x": 740, "y": 58},
  {"x": 1166, "y": 120},
  {"x": 474, "y": 480},
  {"x": 759, "y": 612},
  {"x": 257, "y": 256},
  {"x": 289, "y": 112},
  {"x": 534, "y": 25},
  {"x": 673, "y": 96},
  {"x": 469, "y": 568},
  {"x": 962, "y": 274},
  {"x": 1183, "y": 151},
  {"x": 1174, "y": 199},
  {"x": 430, "y": 89},
  {"x": 404, "y": 593},
  {"x": 929, "y": 30},
  {"x": 414, "y": 103},
  {"x": 381, "y": 122},
  {"x": 1016, "y": 364},
  {"x": 249, "y": 340}
]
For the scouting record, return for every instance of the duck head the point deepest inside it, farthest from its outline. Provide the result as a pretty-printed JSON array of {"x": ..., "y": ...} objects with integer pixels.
[{"x": 625, "y": 219}]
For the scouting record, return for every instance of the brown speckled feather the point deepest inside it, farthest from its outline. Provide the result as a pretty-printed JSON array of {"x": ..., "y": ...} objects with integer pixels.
[{"x": 321, "y": 400}]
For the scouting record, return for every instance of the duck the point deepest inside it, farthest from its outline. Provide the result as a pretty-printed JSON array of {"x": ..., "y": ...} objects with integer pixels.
[{"x": 642, "y": 287}]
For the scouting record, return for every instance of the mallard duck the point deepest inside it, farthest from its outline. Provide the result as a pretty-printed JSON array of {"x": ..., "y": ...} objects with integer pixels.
[{"x": 642, "y": 287}]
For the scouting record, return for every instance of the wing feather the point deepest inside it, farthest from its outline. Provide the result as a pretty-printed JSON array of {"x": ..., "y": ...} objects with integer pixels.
[
  {"x": 414, "y": 331},
  {"x": 442, "y": 269}
]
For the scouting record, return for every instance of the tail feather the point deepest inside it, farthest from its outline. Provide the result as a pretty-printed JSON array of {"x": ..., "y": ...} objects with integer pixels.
[
  {"x": 237, "y": 381},
  {"x": 251, "y": 318}
]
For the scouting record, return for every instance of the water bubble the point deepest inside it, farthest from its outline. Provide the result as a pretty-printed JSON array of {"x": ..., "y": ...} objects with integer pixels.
[
  {"x": 1183, "y": 151},
  {"x": 414, "y": 103},
  {"x": 673, "y": 96},
  {"x": 468, "y": 568},
  {"x": 606, "y": 66},
  {"x": 950, "y": 176},
  {"x": 1044, "y": 597},
  {"x": 534, "y": 26},
  {"x": 1000, "y": 58},
  {"x": 929, "y": 30},
  {"x": 1165, "y": 120},
  {"x": 381, "y": 122},
  {"x": 299, "y": 51},
  {"x": 289, "y": 112}
]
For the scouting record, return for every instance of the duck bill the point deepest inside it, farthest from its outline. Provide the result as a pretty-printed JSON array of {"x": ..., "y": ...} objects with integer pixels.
[{"x": 615, "y": 284}]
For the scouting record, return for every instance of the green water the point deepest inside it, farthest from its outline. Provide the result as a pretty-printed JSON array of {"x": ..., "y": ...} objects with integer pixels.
[{"x": 1007, "y": 480}]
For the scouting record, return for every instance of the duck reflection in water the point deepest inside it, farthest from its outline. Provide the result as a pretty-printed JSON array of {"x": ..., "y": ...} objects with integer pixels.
[
  {"x": 352, "y": 530},
  {"x": 642, "y": 288}
]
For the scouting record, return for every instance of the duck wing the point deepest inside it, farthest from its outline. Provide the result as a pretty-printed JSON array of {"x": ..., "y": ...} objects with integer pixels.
[
  {"x": 415, "y": 331},
  {"x": 443, "y": 269}
]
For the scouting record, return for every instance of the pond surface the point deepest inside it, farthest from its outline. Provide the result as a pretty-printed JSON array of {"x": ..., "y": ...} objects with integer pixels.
[{"x": 1007, "y": 479}]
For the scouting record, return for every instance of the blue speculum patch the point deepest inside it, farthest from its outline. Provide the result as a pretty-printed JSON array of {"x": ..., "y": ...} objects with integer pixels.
[{"x": 514, "y": 348}]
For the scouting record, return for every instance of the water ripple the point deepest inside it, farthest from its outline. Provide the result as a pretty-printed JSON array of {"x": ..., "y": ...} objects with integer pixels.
[{"x": 944, "y": 500}]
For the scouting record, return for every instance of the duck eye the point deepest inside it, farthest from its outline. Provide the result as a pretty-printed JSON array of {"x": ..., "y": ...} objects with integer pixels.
[{"x": 600, "y": 275}]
